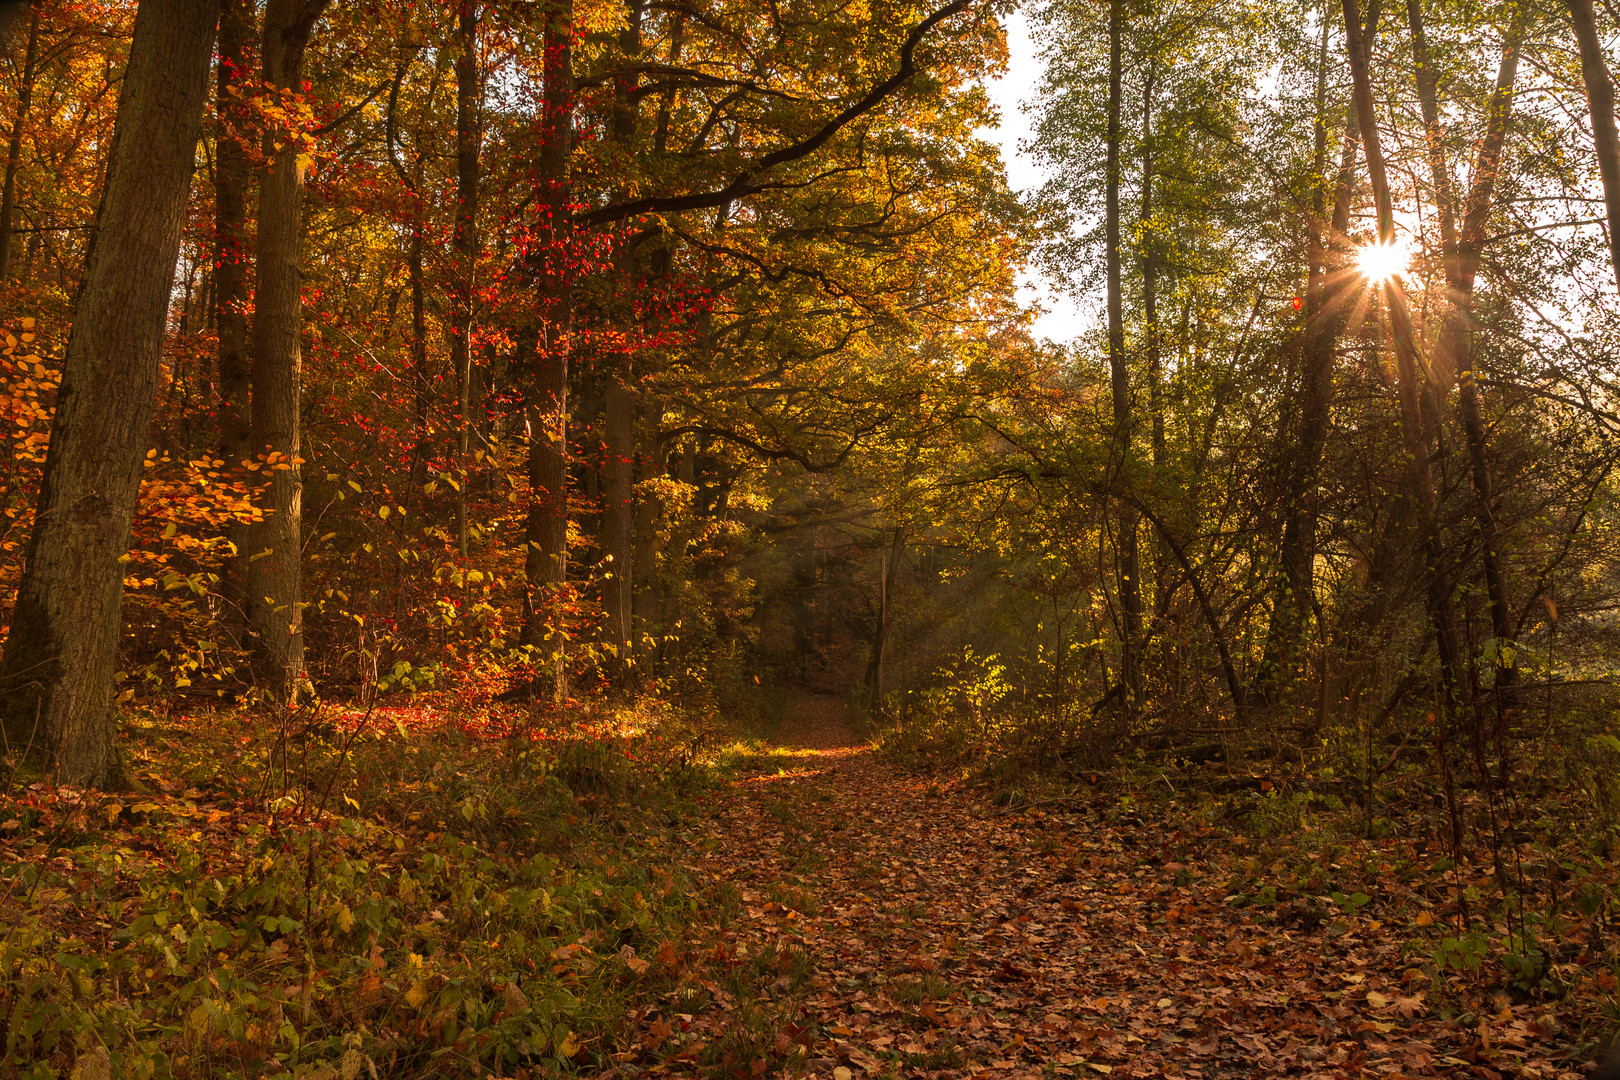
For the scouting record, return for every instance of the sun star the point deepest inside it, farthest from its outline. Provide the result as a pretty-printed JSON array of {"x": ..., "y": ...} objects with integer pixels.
[{"x": 1380, "y": 262}]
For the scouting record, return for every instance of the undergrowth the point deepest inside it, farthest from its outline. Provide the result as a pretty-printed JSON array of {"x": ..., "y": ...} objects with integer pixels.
[{"x": 349, "y": 897}]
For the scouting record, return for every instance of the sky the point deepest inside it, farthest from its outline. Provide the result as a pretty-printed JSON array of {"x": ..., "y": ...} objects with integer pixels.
[{"x": 1064, "y": 318}]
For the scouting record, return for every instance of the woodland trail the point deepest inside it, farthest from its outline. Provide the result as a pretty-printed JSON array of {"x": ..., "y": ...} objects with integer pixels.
[{"x": 942, "y": 939}]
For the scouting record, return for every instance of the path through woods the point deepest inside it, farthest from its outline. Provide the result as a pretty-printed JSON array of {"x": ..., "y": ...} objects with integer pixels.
[{"x": 947, "y": 938}]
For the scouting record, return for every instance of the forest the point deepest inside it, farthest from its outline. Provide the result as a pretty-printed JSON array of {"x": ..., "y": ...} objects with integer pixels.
[{"x": 555, "y": 538}]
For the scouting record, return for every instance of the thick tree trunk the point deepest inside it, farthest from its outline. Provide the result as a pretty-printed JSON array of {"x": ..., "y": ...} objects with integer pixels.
[
  {"x": 1130, "y": 586},
  {"x": 233, "y": 176},
  {"x": 469, "y": 140},
  {"x": 25, "y": 101},
  {"x": 63, "y": 645},
  {"x": 1600, "y": 101},
  {"x": 546, "y": 527},
  {"x": 271, "y": 579}
]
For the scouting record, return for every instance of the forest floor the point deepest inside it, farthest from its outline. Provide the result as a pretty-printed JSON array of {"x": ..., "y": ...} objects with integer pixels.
[
  {"x": 944, "y": 937},
  {"x": 471, "y": 892}
]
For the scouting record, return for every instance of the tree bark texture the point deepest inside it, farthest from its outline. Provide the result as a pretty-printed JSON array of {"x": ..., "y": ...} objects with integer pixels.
[
  {"x": 618, "y": 487},
  {"x": 63, "y": 646},
  {"x": 272, "y": 575}
]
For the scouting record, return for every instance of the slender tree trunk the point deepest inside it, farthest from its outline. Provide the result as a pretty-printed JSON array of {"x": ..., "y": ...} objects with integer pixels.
[
  {"x": 233, "y": 175},
  {"x": 877, "y": 666},
  {"x": 1120, "y": 376},
  {"x": 469, "y": 139},
  {"x": 619, "y": 494},
  {"x": 1600, "y": 101},
  {"x": 546, "y": 527},
  {"x": 1150, "y": 281},
  {"x": 1456, "y": 346},
  {"x": 271, "y": 579},
  {"x": 25, "y": 101},
  {"x": 63, "y": 645},
  {"x": 1413, "y": 385},
  {"x": 1130, "y": 586},
  {"x": 618, "y": 518},
  {"x": 1326, "y": 292}
]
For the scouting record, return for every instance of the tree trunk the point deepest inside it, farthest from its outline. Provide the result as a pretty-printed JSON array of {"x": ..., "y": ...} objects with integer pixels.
[
  {"x": 469, "y": 139},
  {"x": 1414, "y": 384},
  {"x": 877, "y": 666},
  {"x": 619, "y": 494},
  {"x": 1326, "y": 289},
  {"x": 546, "y": 407},
  {"x": 1600, "y": 100},
  {"x": 618, "y": 519},
  {"x": 1130, "y": 586},
  {"x": 271, "y": 579},
  {"x": 1456, "y": 346},
  {"x": 25, "y": 101},
  {"x": 233, "y": 176},
  {"x": 63, "y": 646}
]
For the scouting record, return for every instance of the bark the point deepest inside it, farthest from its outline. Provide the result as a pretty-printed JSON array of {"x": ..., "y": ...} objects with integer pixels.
[
  {"x": 619, "y": 495},
  {"x": 1130, "y": 586},
  {"x": 469, "y": 140},
  {"x": 63, "y": 645},
  {"x": 271, "y": 579},
  {"x": 546, "y": 407},
  {"x": 25, "y": 101},
  {"x": 232, "y": 178},
  {"x": 1600, "y": 102}
]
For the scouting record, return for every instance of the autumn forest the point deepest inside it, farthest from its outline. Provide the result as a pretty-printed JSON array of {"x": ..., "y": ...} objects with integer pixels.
[{"x": 608, "y": 538}]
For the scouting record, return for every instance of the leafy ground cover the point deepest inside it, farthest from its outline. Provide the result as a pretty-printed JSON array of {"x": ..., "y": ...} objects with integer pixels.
[{"x": 403, "y": 894}]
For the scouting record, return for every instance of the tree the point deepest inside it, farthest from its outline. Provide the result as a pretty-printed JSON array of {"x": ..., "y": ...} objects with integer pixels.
[
  {"x": 62, "y": 648},
  {"x": 273, "y": 572}
]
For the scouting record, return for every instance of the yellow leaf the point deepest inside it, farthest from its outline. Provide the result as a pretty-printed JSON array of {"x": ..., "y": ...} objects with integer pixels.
[
  {"x": 417, "y": 995},
  {"x": 569, "y": 1047},
  {"x": 383, "y": 511},
  {"x": 1425, "y": 918},
  {"x": 344, "y": 919}
]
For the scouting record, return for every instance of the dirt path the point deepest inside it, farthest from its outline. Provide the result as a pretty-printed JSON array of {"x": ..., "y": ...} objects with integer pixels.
[{"x": 942, "y": 939}]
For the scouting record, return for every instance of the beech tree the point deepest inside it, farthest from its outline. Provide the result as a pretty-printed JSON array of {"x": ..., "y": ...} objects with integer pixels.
[{"x": 62, "y": 649}]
